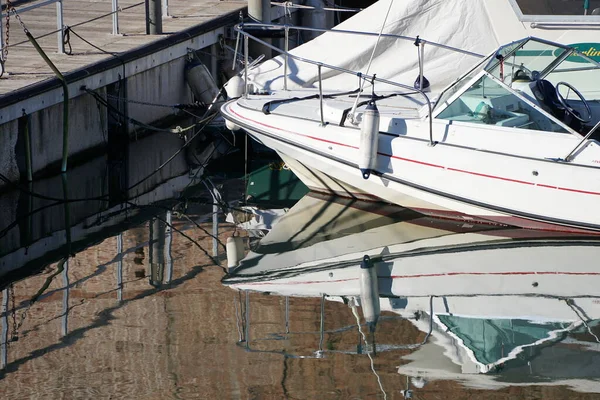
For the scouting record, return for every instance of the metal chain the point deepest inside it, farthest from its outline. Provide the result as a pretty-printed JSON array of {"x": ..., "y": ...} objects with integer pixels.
[{"x": 5, "y": 47}]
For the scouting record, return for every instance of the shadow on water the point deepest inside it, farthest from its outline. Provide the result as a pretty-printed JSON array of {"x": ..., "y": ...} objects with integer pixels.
[{"x": 102, "y": 319}]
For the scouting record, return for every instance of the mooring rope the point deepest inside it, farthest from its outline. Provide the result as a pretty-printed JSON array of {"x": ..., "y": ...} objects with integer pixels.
[
  {"x": 355, "y": 312},
  {"x": 370, "y": 62}
]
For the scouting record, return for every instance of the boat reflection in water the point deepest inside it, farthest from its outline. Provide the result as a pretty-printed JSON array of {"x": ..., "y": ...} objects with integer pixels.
[{"x": 499, "y": 306}]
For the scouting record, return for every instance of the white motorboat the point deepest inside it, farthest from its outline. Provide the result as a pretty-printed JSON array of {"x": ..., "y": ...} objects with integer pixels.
[{"x": 511, "y": 141}]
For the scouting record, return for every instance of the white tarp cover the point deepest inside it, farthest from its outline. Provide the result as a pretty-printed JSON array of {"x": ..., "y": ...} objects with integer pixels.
[
  {"x": 478, "y": 26},
  {"x": 457, "y": 23}
]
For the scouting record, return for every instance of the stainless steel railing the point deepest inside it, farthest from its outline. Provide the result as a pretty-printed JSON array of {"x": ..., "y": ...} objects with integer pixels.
[
  {"x": 239, "y": 28},
  {"x": 60, "y": 26}
]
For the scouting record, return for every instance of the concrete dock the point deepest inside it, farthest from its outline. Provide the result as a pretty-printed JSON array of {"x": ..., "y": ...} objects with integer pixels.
[
  {"x": 139, "y": 75},
  {"x": 25, "y": 67}
]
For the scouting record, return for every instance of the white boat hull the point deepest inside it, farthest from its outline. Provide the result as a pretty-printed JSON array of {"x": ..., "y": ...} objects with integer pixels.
[{"x": 443, "y": 180}]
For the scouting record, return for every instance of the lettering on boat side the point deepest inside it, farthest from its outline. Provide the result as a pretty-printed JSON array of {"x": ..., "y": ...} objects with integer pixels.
[{"x": 592, "y": 50}]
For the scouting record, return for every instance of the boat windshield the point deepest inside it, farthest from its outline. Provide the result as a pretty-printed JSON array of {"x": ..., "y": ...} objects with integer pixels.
[
  {"x": 488, "y": 102},
  {"x": 520, "y": 86}
]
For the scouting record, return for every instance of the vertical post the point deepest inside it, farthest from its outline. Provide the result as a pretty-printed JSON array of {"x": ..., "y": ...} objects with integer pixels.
[
  {"x": 115, "y": 17},
  {"x": 215, "y": 221},
  {"x": 60, "y": 25},
  {"x": 120, "y": 267},
  {"x": 28, "y": 158},
  {"x": 65, "y": 314},
  {"x": 285, "y": 58},
  {"x": 4, "y": 338},
  {"x": 321, "y": 328},
  {"x": 321, "y": 96},
  {"x": 421, "y": 64},
  {"x": 153, "y": 17},
  {"x": 246, "y": 66},
  {"x": 287, "y": 314},
  {"x": 165, "y": 8},
  {"x": 168, "y": 242},
  {"x": 247, "y": 327},
  {"x": 2, "y": 38}
]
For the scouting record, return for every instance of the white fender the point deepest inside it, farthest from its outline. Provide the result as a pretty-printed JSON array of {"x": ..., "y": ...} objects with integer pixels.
[
  {"x": 234, "y": 87},
  {"x": 235, "y": 251},
  {"x": 232, "y": 126},
  {"x": 369, "y": 138},
  {"x": 369, "y": 292}
]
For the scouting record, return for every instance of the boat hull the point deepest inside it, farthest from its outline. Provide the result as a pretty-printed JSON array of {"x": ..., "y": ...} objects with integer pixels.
[{"x": 324, "y": 163}]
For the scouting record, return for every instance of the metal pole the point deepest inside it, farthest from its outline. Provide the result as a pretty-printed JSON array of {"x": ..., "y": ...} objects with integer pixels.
[
  {"x": 287, "y": 314},
  {"x": 65, "y": 315},
  {"x": 215, "y": 221},
  {"x": 4, "y": 339},
  {"x": 285, "y": 59},
  {"x": 153, "y": 17},
  {"x": 115, "y": 17},
  {"x": 28, "y": 159},
  {"x": 2, "y": 33},
  {"x": 246, "y": 66},
  {"x": 120, "y": 267},
  {"x": 321, "y": 96},
  {"x": 247, "y": 330},
  {"x": 60, "y": 25},
  {"x": 321, "y": 327},
  {"x": 168, "y": 242},
  {"x": 165, "y": 8},
  {"x": 421, "y": 63}
]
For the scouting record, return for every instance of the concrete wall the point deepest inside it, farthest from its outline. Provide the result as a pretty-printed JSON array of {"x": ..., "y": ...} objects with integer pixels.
[
  {"x": 164, "y": 84},
  {"x": 8, "y": 161},
  {"x": 85, "y": 130}
]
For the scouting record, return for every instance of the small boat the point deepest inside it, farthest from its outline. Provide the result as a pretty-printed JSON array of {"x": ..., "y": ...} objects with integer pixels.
[{"x": 513, "y": 140}]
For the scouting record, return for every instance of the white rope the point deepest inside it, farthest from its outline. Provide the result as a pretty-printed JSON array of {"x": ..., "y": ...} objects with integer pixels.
[
  {"x": 570, "y": 303},
  {"x": 355, "y": 312},
  {"x": 362, "y": 85}
]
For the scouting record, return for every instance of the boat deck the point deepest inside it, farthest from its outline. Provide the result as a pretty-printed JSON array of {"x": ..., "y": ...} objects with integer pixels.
[{"x": 305, "y": 104}]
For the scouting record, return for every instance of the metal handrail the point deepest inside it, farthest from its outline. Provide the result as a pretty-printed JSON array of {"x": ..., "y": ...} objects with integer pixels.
[
  {"x": 240, "y": 29},
  {"x": 59, "y": 21},
  {"x": 115, "y": 10},
  {"x": 360, "y": 33}
]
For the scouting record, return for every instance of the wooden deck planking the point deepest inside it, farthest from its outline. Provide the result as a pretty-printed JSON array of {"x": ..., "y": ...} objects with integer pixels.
[{"x": 25, "y": 66}]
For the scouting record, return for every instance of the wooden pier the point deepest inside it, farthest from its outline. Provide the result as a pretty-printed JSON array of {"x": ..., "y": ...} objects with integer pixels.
[
  {"x": 130, "y": 73},
  {"x": 24, "y": 66}
]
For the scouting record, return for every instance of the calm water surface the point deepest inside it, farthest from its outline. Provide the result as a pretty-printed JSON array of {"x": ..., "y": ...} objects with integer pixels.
[{"x": 131, "y": 302}]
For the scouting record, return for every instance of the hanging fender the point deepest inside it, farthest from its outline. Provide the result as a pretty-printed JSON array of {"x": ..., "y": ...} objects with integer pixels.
[{"x": 369, "y": 138}]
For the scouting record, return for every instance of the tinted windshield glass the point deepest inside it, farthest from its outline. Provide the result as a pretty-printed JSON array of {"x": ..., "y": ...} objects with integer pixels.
[{"x": 489, "y": 103}]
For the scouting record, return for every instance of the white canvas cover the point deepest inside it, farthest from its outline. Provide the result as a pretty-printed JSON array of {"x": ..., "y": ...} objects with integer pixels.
[{"x": 478, "y": 26}]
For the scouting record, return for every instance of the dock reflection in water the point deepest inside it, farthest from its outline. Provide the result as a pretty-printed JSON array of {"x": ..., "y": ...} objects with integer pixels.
[{"x": 140, "y": 310}]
